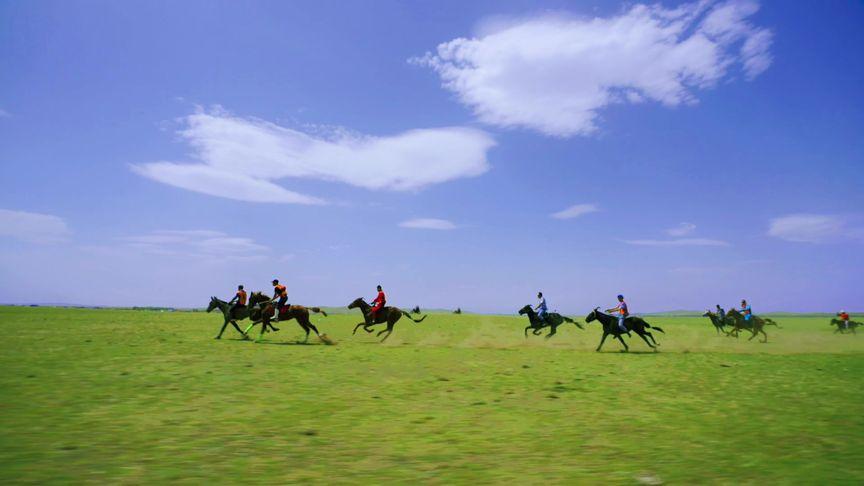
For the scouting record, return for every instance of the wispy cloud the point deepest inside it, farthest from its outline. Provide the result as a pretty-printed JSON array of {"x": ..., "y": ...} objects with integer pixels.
[
  {"x": 813, "y": 228},
  {"x": 196, "y": 243},
  {"x": 553, "y": 73},
  {"x": 33, "y": 227},
  {"x": 678, "y": 242},
  {"x": 428, "y": 223},
  {"x": 682, "y": 229},
  {"x": 242, "y": 158},
  {"x": 4, "y": 113},
  {"x": 575, "y": 211}
]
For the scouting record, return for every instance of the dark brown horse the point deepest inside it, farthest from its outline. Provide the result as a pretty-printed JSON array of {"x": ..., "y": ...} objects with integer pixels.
[
  {"x": 386, "y": 314},
  {"x": 552, "y": 320},
  {"x": 298, "y": 312},
  {"x": 755, "y": 324},
  {"x": 632, "y": 323}
]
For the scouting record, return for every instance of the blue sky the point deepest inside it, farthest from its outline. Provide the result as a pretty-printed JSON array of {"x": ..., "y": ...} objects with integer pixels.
[{"x": 459, "y": 153}]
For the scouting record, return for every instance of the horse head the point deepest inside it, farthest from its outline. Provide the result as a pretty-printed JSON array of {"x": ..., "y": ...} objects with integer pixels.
[
  {"x": 257, "y": 297},
  {"x": 592, "y": 316},
  {"x": 525, "y": 310},
  {"x": 708, "y": 313},
  {"x": 214, "y": 303},
  {"x": 358, "y": 302}
]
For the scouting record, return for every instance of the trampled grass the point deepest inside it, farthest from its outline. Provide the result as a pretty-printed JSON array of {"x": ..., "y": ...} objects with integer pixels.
[{"x": 144, "y": 397}]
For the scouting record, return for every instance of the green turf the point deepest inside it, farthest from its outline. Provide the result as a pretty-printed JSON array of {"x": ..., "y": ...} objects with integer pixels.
[{"x": 146, "y": 397}]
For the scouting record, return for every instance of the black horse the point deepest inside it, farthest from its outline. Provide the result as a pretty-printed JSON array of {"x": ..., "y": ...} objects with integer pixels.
[
  {"x": 237, "y": 314},
  {"x": 842, "y": 327},
  {"x": 386, "y": 314},
  {"x": 552, "y": 320},
  {"x": 719, "y": 323},
  {"x": 632, "y": 323}
]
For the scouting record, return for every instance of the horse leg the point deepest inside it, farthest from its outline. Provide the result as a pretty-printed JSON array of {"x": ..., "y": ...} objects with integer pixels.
[
  {"x": 626, "y": 348},
  {"x": 224, "y": 325},
  {"x": 652, "y": 338},
  {"x": 263, "y": 329},
  {"x": 357, "y": 327},
  {"x": 552, "y": 332},
  {"x": 602, "y": 339},
  {"x": 234, "y": 323},
  {"x": 388, "y": 331},
  {"x": 647, "y": 341},
  {"x": 766, "y": 336},
  {"x": 526, "y": 331}
]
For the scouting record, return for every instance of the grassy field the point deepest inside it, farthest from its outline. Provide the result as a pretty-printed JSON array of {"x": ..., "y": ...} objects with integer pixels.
[{"x": 145, "y": 397}]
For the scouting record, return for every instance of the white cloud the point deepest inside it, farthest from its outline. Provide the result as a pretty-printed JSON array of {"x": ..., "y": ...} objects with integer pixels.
[
  {"x": 428, "y": 223},
  {"x": 553, "y": 73},
  {"x": 811, "y": 228},
  {"x": 241, "y": 158},
  {"x": 681, "y": 230},
  {"x": 198, "y": 244},
  {"x": 32, "y": 227},
  {"x": 575, "y": 211},
  {"x": 679, "y": 242}
]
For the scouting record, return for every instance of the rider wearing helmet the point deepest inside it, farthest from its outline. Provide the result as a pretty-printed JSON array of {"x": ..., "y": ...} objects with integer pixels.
[
  {"x": 239, "y": 300},
  {"x": 845, "y": 318},
  {"x": 622, "y": 311},
  {"x": 280, "y": 296},
  {"x": 377, "y": 304}
]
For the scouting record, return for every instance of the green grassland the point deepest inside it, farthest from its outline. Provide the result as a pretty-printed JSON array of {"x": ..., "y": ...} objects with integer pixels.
[{"x": 146, "y": 397}]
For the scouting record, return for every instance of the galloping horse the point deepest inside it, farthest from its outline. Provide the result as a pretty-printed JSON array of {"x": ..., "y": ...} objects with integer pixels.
[
  {"x": 841, "y": 327},
  {"x": 237, "y": 314},
  {"x": 632, "y": 323},
  {"x": 386, "y": 314},
  {"x": 552, "y": 320},
  {"x": 719, "y": 324},
  {"x": 755, "y": 325},
  {"x": 298, "y": 312}
]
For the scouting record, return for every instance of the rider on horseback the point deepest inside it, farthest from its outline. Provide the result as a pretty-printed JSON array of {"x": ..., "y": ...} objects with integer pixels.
[
  {"x": 377, "y": 304},
  {"x": 622, "y": 311},
  {"x": 746, "y": 311},
  {"x": 239, "y": 300},
  {"x": 541, "y": 307},
  {"x": 280, "y": 293},
  {"x": 721, "y": 313},
  {"x": 844, "y": 316}
]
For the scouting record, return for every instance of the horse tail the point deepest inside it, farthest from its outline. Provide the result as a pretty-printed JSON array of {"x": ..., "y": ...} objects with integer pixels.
[
  {"x": 409, "y": 316},
  {"x": 567, "y": 319},
  {"x": 656, "y": 328},
  {"x": 317, "y": 310}
]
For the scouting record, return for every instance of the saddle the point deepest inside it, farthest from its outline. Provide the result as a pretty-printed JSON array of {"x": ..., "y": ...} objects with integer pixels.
[{"x": 284, "y": 312}]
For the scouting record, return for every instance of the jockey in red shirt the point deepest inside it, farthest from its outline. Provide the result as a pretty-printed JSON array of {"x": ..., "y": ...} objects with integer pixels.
[{"x": 377, "y": 304}]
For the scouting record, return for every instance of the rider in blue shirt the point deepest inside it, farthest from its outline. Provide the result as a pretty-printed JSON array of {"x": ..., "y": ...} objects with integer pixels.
[{"x": 745, "y": 310}]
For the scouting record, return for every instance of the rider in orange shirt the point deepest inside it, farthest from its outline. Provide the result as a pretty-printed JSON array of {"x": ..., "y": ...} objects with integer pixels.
[
  {"x": 239, "y": 300},
  {"x": 280, "y": 296}
]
